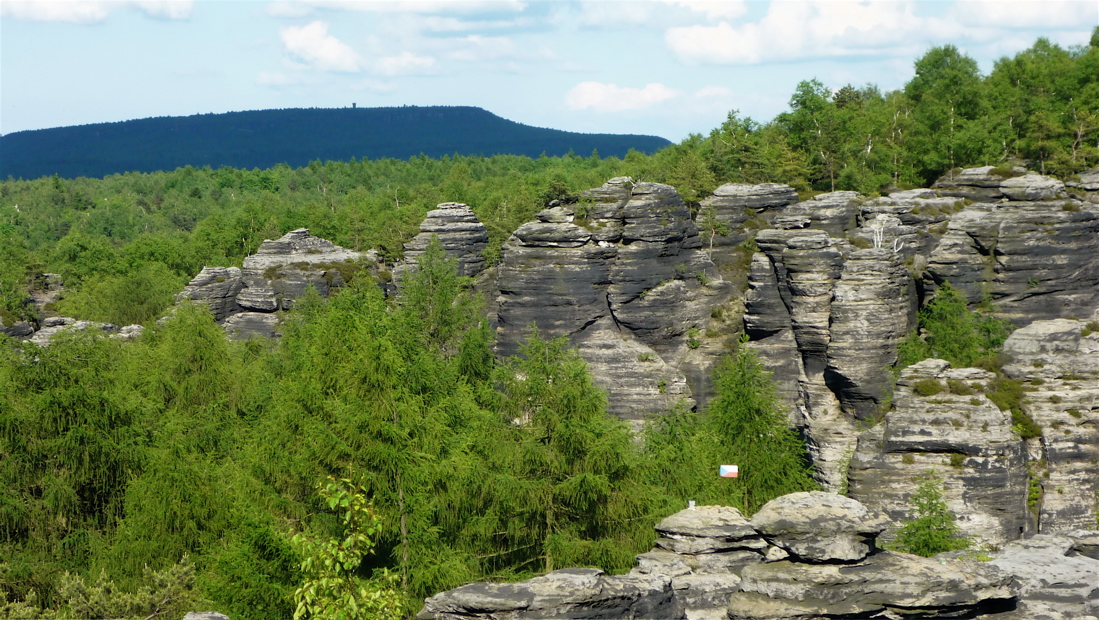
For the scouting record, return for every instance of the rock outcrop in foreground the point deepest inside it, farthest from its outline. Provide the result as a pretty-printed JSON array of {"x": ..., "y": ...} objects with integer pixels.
[{"x": 802, "y": 556}]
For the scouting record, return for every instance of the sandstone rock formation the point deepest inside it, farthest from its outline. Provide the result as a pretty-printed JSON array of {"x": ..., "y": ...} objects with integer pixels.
[
  {"x": 245, "y": 301},
  {"x": 712, "y": 563},
  {"x": 622, "y": 275},
  {"x": 462, "y": 235},
  {"x": 1035, "y": 259},
  {"x": 53, "y": 326},
  {"x": 1060, "y": 367},
  {"x": 1056, "y": 578},
  {"x": 955, "y": 434}
]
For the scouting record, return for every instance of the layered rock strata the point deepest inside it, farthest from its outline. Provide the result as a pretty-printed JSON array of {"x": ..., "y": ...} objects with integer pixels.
[
  {"x": 621, "y": 274},
  {"x": 826, "y": 319},
  {"x": 1059, "y": 366},
  {"x": 246, "y": 300},
  {"x": 1035, "y": 255},
  {"x": 56, "y": 325},
  {"x": 461, "y": 234},
  {"x": 806, "y": 555},
  {"x": 1057, "y": 576},
  {"x": 943, "y": 427}
]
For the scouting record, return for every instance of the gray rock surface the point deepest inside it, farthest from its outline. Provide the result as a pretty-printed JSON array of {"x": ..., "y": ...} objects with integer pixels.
[
  {"x": 462, "y": 235},
  {"x": 217, "y": 288},
  {"x": 886, "y": 585},
  {"x": 245, "y": 300},
  {"x": 1055, "y": 581},
  {"x": 820, "y": 527},
  {"x": 962, "y": 439},
  {"x": 626, "y": 282},
  {"x": 713, "y": 579},
  {"x": 1036, "y": 260},
  {"x": 978, "y": 184},
  {"x": 1060, "y": 368},
  {"x": 1032, "y": 187},
  {"x": 53, "y": 326}
]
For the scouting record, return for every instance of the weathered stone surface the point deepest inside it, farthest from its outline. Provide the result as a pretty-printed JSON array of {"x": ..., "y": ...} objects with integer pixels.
[
  {"x": 53, "y": 326},
  {"x": 284, "y": 269},
  {"x": 636, "y": 374},
  {"x": 1032, "y": 187},
  {"x": 461, "y": 234},
  {"x": 1036, "y": 260},
  {"x": 869, "y": 316},
  {"x": 18, "y": 329},
  {"x": 833, "y": 212},
  {"x": 1060, "y": 368},
  {"x": 977, "y": 184},
  {"x": 205, "y": 615},
  {"x": 567, "y": 593},
  {"x": 736, "y": 203},
  {"x": 1088, "y": 180},
  {"x": 963, "y": 439},
  {"x": 886, "y": 584},
  {"x": 245, "y": 325},
  {"x": 626, "y": 287},
  {"x": 217, "y": 288},
  {"x": 820, "y": 527},
  {"x": 1055, "y": 581},
  {"x": 709, "y": 529}
]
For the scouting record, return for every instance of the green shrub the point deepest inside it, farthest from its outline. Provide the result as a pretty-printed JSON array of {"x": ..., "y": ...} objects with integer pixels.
[
  {"x": 1090, "y": 328},
  {"x": 957, "y": 460},
  {"x": 958, "y": 387},
  {"x": 927, "y": 387},
  {"x": 932, "y": 528}
]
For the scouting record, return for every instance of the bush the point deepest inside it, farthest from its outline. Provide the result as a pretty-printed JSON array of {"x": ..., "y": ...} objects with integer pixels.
[
  {"x": 932, "y": 528},
  {"x": 958, "y": 387},
  {"x": 927, "y": 387},
  {"x": 953, "y": 333}
]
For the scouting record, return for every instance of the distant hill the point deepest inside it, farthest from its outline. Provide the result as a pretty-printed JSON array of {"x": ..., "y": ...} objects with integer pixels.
[{"x": 264, "y": 138}]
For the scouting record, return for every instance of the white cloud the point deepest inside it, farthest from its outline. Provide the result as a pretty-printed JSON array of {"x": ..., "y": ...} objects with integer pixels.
[
  {"x": 281, "y": 80},
  {"x": 726, "y": 9},
  {"x": 313, "y": 45},
  {"x": 810, "y": 28},
  {"x": 476, "y": 48},
  {"x": 297, "y": 8},
  {"x": 90, "y": 11},
  {"x": 1078, "y": 14},
  {"x": 613, "y": 98},
  {"x": 403, "y": 64},
  {"x": 376, "y": 86},
  {"x": 707, "y": 92}
]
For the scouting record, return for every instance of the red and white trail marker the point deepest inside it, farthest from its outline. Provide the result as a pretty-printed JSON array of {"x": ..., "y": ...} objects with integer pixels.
[{"x": 729, "y": 471}]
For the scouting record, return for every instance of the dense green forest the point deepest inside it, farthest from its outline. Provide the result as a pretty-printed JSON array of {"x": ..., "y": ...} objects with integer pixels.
[
  {"x": 265, "y": 138},
  {"x": 183, "y": 463}
]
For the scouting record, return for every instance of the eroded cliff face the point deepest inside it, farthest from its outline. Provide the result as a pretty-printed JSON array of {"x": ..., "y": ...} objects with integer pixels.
[{"x": 623, "y": 275}]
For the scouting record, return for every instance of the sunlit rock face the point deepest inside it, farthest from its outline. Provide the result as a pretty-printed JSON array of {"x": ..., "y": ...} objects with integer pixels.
[{"x": 622, "y": 274}]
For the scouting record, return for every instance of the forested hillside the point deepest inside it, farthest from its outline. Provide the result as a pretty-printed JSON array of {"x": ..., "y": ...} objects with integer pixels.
[
  {"x": 190, "y": 470},
  {"x": 265, "y": 138}
]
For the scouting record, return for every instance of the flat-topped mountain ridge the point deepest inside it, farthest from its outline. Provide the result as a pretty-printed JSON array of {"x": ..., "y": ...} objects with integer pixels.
[{"x": 265, "y": 138}]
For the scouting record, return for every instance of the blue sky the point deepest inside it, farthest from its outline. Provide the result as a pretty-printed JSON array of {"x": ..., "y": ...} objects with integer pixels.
[{"x": 663, "y": 67}]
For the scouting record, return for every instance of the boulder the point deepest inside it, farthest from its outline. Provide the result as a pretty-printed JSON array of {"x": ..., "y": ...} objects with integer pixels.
[
  {"x": 1032, "y": 187},
  {"x": 979, "y": 184},
  {"x": 820, "y": 527},
  {"x": 53, "y": 326},
  {"x": 708, "y": 529},
  {"x": 1054, "y": 580}
]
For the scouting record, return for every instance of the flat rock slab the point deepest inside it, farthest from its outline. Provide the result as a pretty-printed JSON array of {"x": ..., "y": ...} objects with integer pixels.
[
  {"x": 886, "y": 584},
  {"x": 820, "y": 527}
]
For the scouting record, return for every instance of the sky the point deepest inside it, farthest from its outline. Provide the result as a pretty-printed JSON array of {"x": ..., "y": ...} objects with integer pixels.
[{"x": 662, "y": 67}]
